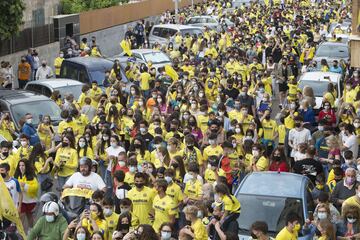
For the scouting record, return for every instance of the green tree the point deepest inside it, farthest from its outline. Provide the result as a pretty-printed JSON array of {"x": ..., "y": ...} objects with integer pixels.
[
  {"x": 77, "y": 6},
  {"x": 11, "y": 12}
]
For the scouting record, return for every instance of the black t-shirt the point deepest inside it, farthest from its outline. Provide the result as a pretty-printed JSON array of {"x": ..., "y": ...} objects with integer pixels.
[
  {"x": 247, "y": 101},
  {"x": 233, "y": 93},
  {"x": 308, "y": 167},
  {"x": 147, "y": 138},
  {"x": 127, "y": 187},
  {"x": 231, "y": 227}
]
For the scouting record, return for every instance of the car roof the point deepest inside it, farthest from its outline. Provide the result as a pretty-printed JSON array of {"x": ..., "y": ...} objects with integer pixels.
[
  {"x": 145, "y": 50},
  {"x": 57, "y": 82},
  {"x": 203, "y": 16},
  {"x": 91, "y": 62},
  {"x": 333, "y": 44},
  {"x": 277, "y": 184},
  {"x": 177, "y": 26},
  {"x": 20, "y": 96},
  {"x": 321, "y": 76}
]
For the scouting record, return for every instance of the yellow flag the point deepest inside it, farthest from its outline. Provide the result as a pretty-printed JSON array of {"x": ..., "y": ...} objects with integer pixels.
[
  {"x": 8, "y": 209},
  {"x": 266, "y": 2},
  {"x": 169, "y": 70},
  {"x": 126, "y": 47}
]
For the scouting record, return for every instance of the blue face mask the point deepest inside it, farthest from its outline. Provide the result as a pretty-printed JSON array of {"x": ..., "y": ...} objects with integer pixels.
[{"x": 132, "y": 169}]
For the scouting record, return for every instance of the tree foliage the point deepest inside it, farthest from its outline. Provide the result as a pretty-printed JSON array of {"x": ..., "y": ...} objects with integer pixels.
[
  {"x": 11, "y": 12},
  {"x": 76, "y": 6}
]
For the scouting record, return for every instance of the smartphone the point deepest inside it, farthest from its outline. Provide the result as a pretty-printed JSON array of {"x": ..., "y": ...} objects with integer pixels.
[{"x": 311, "y": 215}]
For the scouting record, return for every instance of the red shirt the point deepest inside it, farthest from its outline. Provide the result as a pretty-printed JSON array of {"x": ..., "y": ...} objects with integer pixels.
[
  {"x": 279, "y": 167},
  {"x": 329, "y": 116},
  {"x": 117, "y": 168},
  {"x": 225, "y": 165}
]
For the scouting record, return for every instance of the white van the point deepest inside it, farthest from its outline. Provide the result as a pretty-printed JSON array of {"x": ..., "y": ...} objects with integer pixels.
[
  {"x": 164, "y": 33},
  {"x": 318, "y": 81}
]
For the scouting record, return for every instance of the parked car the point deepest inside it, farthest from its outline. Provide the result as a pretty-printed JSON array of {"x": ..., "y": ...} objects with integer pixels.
[
  {"x": 163, "y": 33},
  {"x": 332, "y": 51},
  {"x": 48, "y": 86},
  {"x": 19, "y": 102},
  {"x": 269, "y": 197},
  {"x": 319, "y": 81},
  {"x": 158, "y": 58},
  {"x": 87, "y": 69},
  {"x": 211, "y": 22}
]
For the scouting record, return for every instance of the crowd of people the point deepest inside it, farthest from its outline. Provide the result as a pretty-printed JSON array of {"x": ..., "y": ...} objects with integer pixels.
[{"x": 160, "y": 158}]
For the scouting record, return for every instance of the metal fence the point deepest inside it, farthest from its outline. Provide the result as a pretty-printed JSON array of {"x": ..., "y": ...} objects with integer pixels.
[{"x": 28, "y": 38}]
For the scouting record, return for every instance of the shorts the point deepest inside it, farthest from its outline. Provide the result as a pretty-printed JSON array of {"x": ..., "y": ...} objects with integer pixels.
[
  {"x": 27, "y": 207},
  {"x": 283, "y": 87}
]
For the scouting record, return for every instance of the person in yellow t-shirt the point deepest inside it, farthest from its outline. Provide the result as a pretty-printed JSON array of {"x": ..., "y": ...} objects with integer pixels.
[
  {"x": 110, "y": 216},
  {"x": 95, "y": 94},
  {"x": 193, "y": 187},
  {"x": 354, "y": 200},
  {"x": 94, "y": 220},
  {"x": 145, "y": 81},
  {"x": 259, "y": 162},
  {"x": 130, "y": 175},
  {"x": 197, "y": 230},
  {"x": 66, "y": 160},
  {"x": 83, "y": 148},
  {"x": 142, "y": 199},
  {"x": 290, "y": 231},
  {"x": 164, "y": 208},
  {"x": 173, "y": 190},
  {"x": 213, "y": 171},
  {"x": 7, "y": 127},
  {"x": 214, "y": 149},
  {"x": 231, "y": 204},
  {"x": 24, "y": 151}
]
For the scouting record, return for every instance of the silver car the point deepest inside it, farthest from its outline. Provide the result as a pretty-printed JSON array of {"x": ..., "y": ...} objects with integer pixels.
[
  {"x": 157, "y": 57},
  {"x": 331, "y": 51},
  {"x": 211, "y": 22},
  {"x": 48, "y": 86}
]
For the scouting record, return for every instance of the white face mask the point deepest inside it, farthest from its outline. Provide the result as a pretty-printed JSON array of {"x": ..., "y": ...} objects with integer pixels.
[
  {"x": 322, "y": 215},
  {"x": 132, "y": 169},
  {"x": 121, "y": 163},
  {"x": 211, "y": 141},
  {"x": 356, "y": 125},
  {"x": 61, "y": 55},
  {"x": 114, "y": 145},
  {"x": 105, "y": 138},
  {"x": 50, "y": 218},
  {"x": 201, "y": 94},
  {"x": 132, "y": 92},
  {"x": 143, "y": 130},
  {"x": 23, "y": 143},
  {"x": 255, "y": 153},
  {"x": 81, "y": 144},
  {"x": 221, "y": 114},
  {"x": 237, "y": 130},
  {"x": 29, "y": 121},
  {"x": 168, "y": 179},
  {"x": 165, "y": 235},
  {"x": 81, "y": 236},
  {"x": 351, "y": 220},
  {"x": 320, "y": 128},
  {"x": 107, "y": 212}
]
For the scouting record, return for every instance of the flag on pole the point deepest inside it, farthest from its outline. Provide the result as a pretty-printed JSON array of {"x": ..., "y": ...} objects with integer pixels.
[
  {"x": 169, "y": 70},
  {"x": 8, "y": 209},
  {"x": 125, "y": 45}
]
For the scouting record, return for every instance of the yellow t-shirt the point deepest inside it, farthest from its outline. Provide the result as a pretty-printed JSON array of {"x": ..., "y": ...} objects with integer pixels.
[
  {"x": 351, "y": 201},
  {"x": 81, "y": 123},
  {"x": 282, "y": 133},
  {"x": 284, "y": 234},
  {"x": 142, "y": 203},
  {"x": 270, "y": 128},
  {"x": 70, "y": 158},
  {"x": 202, "y": 122},
  {"x": 164, "y": 208},
  {"x": 262, "y": 164},
  {"x": 175, "y": 193},
  {"x": 199, "y": 230},
  {"x": 39, "y": 165},
  {"x": 5, "y": 132},
  {"x": 231, "y": 204},
  {"x": 94, "y": 95},
  {"x": 63, "y": 125},
  {"x": 210, "y": 151},
  {"x": 129, "y": 178},
  {"x": 193, "y": 189},
  {"x": 89, "y": 153},
  {"x": 112, "y": 222},
  {"x": 210, "y": 175},
  {"x": 145, "y": 81}
]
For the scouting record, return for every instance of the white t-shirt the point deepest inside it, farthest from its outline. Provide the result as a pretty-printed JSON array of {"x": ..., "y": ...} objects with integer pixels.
[
  {"x": 14, "y": 189},
  {"x": 297, "y": 137},
  {"x": 351, "y": 143},
  {"x": 93, "y": 181},
  {"x": 111, "y": 151}
]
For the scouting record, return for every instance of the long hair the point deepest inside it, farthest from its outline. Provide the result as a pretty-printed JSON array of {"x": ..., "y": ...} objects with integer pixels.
[
  {"x": 78, "y": 148},
  {"x": 29, "y": 170},
  {"x": 148, "y": 233},
  {"x": 37, "y": 152}
]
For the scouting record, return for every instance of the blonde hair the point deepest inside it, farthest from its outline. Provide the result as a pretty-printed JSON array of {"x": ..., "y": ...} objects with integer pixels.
[
  {"x": 308, "y": 91},
  {"x": 191, "y": 210}
]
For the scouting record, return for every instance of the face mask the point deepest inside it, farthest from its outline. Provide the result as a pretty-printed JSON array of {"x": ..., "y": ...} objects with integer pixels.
[
  {"x": 297, "y": 227},
  {"x": 132, "y": 92},
  {"x": 50, "y": 218},
  {"x": 81, "y": 144},
  {"x": 356, "y": 125},
  {"x": 23, "y": 143},
  {"x": 242, "y": 93},
  {"x": 200, "y": 214},
  {"x": 297, "y": 125},
  {"x": 124, "y": 210},
  {"x": 121, "y": 163},
  {"x": 358, "y": 167},
  {"x": 105, "y": 138},
  {"x": 81, "y": 236},
  {"x": 139, "y": 185},
  {"x": 211, "y": 141},
  {"x": 255, "y": 153},
  {"x": 143, "y": 130},
  {"x": 165, "y": 235},
  {"x": 320, "y": 128},
  {"x": 141, "y": 103},
  {"x": 114, "y": 145},
  {"x": 107, "y": 212},
  {"x": 348, "y": 162},
  {"x": 322, "y": 215},
  {"x": 132, "y": 169},
  {"x": 327, "y": 107},
  {"x": 159, "y": 100},
  {"x": 351, "y": 220},
  {"x": 29, "y": 121},
  {"x": 221, "y": 114},
  {"x": 168, "y": 179}
]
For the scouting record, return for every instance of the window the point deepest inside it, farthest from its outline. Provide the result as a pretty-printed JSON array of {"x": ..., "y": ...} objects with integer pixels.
[
  {"x": 34, "y": 88},
  {"x": 156, "y": 32},
  {"x": 83, "y": 77},
  {"x": 167, "y": 32},
  {"x": 211, "y": 20},
  {"x": 38, "y": 17},
  {"x": 46, "y": 91},
  {"x": 69, "y": 71}
]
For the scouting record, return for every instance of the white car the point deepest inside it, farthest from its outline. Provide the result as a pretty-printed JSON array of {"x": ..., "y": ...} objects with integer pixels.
[
  {"x": 211, "y": 22},
  {"x": 158, "y": 58},
  {"x": 319, "y": 81},
  {"x": 163, "y": 33}
]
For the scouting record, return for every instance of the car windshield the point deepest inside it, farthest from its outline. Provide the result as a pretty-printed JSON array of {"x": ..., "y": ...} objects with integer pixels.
[
  {"x": 74, "y": 90},
  {"x": 272, "y": 210},
  {"x": 332, "y": 51},
  {"x": 37, "y": 109},
  {"x": 319, "y": 87},
  {"x": 191, "y": 31},
  {"x": 156, "y": 57},
  {"x": 98, "y": 75}
]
